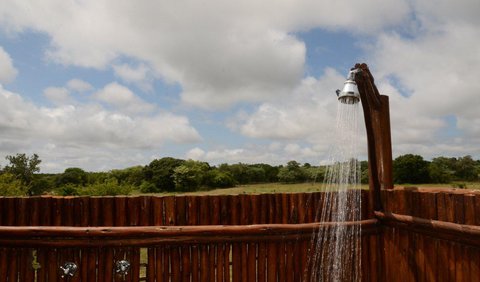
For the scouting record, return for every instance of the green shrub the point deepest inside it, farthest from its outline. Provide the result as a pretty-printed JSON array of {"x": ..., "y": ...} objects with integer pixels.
[
  {"x": 148, "y": 187},
  {"x": 108, "y": 188},
  {"x": 11, "y": 186},
  {"x": 68, "y": 190}
]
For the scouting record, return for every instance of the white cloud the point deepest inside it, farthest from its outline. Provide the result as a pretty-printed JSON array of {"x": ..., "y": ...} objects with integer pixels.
[
  {"x": 308, "y": 112},
  {"x": 86, "y": 135},
  {"x": 195, "y": 154},
  {"x": 436, "y": 66},
  {"x": 123, "y": 99},
  {"x": 7, "y": 71},
  {"x": 140, "y": 75},
  {"x": 79, "y": 85},
  {"x": 219, "y": 52},
  {"x": 57, "y": 95}
]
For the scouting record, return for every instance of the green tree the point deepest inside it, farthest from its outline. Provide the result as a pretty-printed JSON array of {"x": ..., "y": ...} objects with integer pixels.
[
  {"x": 190, "y": 175},
  {"x": 364, "y": 177},
  {"x": 132, "y": 175},
  {"x": 219, "y": 179},
  {"x": 11, "y": 186},
  {"x": 442, "y": 169},
  {"x": 466, "y": 169},
  {"x": 160, "y": 173},
  {"x": 410, "y": 168},
  {"x": 42, "y": 183},
  {"x": 23, "y": 167},
  {"x": 292, "y": 173},
  {"x": 72, "y": 175}
]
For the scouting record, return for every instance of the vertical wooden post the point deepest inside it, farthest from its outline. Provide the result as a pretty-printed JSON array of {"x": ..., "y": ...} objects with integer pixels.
[{"x": 377, "y": 122}]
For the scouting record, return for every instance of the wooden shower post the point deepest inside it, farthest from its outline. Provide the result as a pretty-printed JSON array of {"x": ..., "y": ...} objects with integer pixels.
[{"x": 377, "y": 122}]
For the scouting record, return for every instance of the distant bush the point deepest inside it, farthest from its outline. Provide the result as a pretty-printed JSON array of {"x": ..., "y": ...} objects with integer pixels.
[
  {"x": 148, "y": 187},
  {"x": 220, "y": 179},
  {"x": 11, "y": 186},
  {"x": 108, "y": 188},
  {"x": 68, "y": 190}
]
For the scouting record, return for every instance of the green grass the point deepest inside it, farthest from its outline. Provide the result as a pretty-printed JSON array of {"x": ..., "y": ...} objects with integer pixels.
[
  {"x": 300, "y": 188},
  {"x": 258, "y": 189},
  {"x": 460, "y": 184}
]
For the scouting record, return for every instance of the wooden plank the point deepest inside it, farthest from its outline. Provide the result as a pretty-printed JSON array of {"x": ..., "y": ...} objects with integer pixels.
[
  {"x": 186, "y": 263},
  {"x": 261, "y": 262},
  {"x": 175, "y": 263},
  {"x": 159, "y": 264},
  {"x": 151, "y": 265},
  {"x": 108, "y": 264},
  {"x": 23, "y": 214},
  {"x": 192, "y": 219},
  {"x": 170, "y": 216},
  {"x": 157, "y": 211},
  {"x": 459, "y": 273},
  {"x": 459, "y": 209},
  {"x": 132, "y": 211},
  {"x": 365, "y": 259},
  {"x": 442, "y": 261},
  {"x": 181, "y": 210},
  {"x": 42, "y": 262},
  {"x": 95, "y": 212},
  {"x": 108, "y": 210},
  {"x": 146, "y": 213},
  {"x": 13, "y": 264},
  {"x": 224, "y": 210},
  {"x": 69, "y": 217},
  {"x": 450, "y": 206},
  {"x": 227, "y": 263},
  {"x": 10, "y": 211},
  {"x": 251, "y": 272},
  {"x": 473, "y": 255},
  {"x": 297, "y": 265},
  {"x": 244, "y": 220},
  {"x": 29, "y": 270},
  {"x": 220, "y": 263},
  {"x": 441, "y": 207},
  {"x": 3, "y": 262},
  {"x": 452, "y": 262},
  {"x": 477, "y": 209},
  {"x": 120, "y": 211},
  {"x": 272, "y": 262},
  {"x": 51, "y": 265},
  {"x": 92, "y": 265},
  {"x": 204, "y": 219}
]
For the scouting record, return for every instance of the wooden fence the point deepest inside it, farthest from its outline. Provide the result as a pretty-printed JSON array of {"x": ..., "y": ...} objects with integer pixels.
[
  {"x": 420, "y": 235},
  {"x": 263, "y": 237},
  {"x": 431, "y": 235}
]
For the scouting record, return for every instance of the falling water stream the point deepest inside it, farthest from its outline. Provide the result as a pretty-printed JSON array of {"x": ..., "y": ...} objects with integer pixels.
[{"x": 336, "y": 251}]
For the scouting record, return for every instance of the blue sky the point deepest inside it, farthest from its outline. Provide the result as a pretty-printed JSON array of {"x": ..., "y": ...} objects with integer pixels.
[{"x": 103, "y": 85}]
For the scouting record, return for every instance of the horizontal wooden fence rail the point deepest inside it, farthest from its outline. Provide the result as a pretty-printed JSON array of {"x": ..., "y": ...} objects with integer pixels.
[
  {"x": 43, "y": 236},
  {"x": 460, "y": 233}
]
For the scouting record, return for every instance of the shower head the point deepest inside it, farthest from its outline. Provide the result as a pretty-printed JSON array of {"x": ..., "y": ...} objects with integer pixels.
[{"x": 349, "y": 93}]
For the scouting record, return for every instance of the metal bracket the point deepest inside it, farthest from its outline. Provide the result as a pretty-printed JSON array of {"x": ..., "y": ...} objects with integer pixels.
[
  {"x": 122, "y": 267},
  {"x": 68, "y": 269}
]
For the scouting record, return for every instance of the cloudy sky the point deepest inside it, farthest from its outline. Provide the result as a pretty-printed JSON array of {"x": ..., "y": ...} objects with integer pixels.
[{"x": 103, "y": 84}]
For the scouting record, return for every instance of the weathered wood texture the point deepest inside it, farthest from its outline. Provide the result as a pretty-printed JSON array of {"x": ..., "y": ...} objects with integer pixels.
[
  {"x": 431, "y": 235},
  {"x": 421, "y": 235},
  {"x": 184, "y": 238}
]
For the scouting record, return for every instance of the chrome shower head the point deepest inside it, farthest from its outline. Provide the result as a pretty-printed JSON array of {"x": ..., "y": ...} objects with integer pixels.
[{"x": 349, "y": 93}]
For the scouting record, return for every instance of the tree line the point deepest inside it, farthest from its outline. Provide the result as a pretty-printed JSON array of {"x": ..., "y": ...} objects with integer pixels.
[{"x": 21, "y": 176}]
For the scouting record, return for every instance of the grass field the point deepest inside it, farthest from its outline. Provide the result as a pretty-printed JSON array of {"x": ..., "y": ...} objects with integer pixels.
[{"x": 305, "y": 187}]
